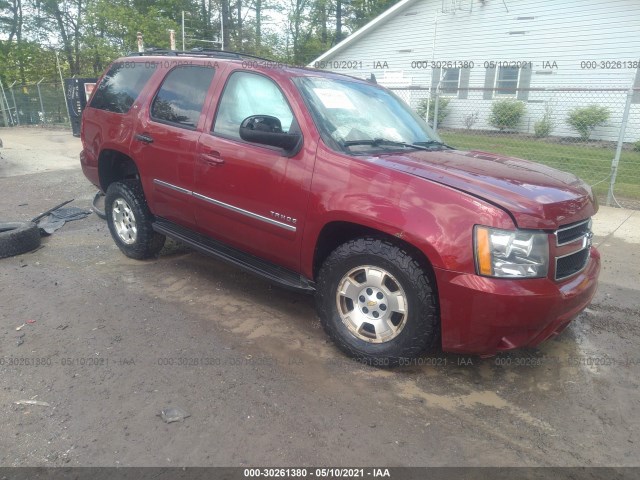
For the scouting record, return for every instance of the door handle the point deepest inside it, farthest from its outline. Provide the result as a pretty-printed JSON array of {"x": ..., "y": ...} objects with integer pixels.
[
  {"x": 212, "y": 158},
  {"x": 144, "y": 138}
]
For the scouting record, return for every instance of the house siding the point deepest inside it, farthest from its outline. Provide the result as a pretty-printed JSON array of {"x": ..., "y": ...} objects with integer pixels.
[{"x": 555, "y": 33}]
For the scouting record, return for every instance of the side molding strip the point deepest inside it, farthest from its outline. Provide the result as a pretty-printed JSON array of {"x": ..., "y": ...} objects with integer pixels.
[{"x": 218, "y": 203}]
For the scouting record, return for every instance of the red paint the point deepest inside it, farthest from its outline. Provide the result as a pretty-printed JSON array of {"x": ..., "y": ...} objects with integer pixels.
[{"x": 431, "y": 200}]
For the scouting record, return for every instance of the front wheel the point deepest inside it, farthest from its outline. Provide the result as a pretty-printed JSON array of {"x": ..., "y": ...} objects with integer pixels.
[
  {"x": 129, "y": 220},
  {"x": 376, "y": 302}
]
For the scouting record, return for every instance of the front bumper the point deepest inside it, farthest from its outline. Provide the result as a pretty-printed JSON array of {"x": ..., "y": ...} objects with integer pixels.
[{"x": 481, "y": 315}]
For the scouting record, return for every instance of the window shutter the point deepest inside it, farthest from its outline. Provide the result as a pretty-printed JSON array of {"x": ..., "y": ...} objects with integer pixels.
[
  {"x": 489, "y": 83},
  {"x": 524, "y": 84},
  {"x": 435, "y": 79},
  {"x": 636, "y": 88},
  {"x": 463, "y": 93}
]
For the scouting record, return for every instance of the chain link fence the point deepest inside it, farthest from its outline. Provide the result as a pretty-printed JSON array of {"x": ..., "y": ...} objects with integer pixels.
[
  {"x": 591, "y": 132},
  {"x": 33, "y": 104}
]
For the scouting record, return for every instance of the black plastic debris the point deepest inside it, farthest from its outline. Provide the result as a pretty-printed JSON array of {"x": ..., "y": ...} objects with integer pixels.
[{"x": 56, "y": 219}]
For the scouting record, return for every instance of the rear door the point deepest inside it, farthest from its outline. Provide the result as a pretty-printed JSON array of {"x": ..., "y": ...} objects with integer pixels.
[{"x": 165, "y": 140}]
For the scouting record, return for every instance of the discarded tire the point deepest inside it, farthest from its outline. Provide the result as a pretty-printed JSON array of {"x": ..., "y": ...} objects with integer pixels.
[{"x": 18, "y": 237}]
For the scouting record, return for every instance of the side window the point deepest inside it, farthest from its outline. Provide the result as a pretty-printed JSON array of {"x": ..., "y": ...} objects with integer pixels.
[
  {"x": 181, "y": 96},
  {"x": 249, "y": 94},
  {"x": 120, "y": 86}
]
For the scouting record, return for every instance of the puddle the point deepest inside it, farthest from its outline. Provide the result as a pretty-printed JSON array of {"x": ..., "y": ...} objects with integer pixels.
[{"x": 452, "y": 403}]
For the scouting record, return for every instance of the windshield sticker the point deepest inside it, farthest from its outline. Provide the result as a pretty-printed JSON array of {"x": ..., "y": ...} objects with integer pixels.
[{"x": 334, "y": 98}]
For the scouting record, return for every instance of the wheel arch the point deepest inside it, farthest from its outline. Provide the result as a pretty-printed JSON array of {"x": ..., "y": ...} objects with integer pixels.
[
  {"x": 113, "y": 166},
  {"x": 335, "y": 233}
]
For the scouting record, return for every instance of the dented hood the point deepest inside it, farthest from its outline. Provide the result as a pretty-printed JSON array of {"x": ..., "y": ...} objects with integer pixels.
[{"x": 535, "y": 195}]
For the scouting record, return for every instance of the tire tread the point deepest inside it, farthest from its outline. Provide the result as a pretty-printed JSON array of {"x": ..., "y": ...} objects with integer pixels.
[{"x": 426, "y": 330}]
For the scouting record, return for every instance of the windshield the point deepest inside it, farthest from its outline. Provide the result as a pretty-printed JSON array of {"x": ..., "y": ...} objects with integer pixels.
[{"x": 360, "y": 118}]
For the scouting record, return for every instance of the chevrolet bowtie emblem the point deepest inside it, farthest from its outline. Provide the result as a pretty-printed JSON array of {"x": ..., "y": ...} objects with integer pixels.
[{"x": 371, "y": 303}]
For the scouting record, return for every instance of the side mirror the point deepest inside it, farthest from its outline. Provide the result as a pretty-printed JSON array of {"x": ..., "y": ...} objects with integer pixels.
[{"x": 267, "y": 130}]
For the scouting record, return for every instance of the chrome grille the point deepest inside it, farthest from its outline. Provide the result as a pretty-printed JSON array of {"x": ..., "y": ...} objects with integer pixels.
[
  {"x": 573, "y": 262},
  {"x": 571, "y": 233}
]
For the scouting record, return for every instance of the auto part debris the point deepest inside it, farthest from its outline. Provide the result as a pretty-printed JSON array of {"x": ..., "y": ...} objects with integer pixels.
[{"x": 99, "y": 199}]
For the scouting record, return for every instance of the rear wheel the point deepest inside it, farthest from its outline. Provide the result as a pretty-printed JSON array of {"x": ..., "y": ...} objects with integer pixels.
[
  {"x": 129, "y": 220},
  {"x": 377, "y": 302}
]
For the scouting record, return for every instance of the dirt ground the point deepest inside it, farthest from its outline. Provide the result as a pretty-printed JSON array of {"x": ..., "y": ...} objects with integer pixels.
[{"x": 117, "y": 340}]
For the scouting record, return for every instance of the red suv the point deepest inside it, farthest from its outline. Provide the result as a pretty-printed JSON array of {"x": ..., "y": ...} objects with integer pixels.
[{"x": 332, "y": 185}]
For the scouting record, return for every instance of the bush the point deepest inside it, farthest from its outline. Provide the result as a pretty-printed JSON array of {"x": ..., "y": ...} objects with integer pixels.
[
  {"x": 471, "y": 119},
  {"x": 636, "y": 146},
  {"x": 443, "y": 103},
  {"x": 585, "y": 119},
  {"x": 506, "y": 114},
  {"x": 543, "y": 127}
]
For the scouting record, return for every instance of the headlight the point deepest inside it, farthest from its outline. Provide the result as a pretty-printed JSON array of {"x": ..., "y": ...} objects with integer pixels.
[{"x": 511, "y": 254}]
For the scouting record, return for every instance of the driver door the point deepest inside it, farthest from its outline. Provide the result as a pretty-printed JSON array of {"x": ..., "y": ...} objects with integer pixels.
[{"x": 247, "y": 195}]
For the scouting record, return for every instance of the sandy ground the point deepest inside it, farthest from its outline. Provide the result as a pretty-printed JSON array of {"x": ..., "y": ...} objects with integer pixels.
[
  {"x": 33, "y": 150},
  {"x": 116, "y": 340}
]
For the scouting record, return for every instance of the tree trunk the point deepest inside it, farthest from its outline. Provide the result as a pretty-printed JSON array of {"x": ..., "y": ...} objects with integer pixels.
[
  {"x": 77, "y": 38},
  {"x": 258, "y": 23},
  {"x": 239, "y": 29},
  {"x": 338, "y": 21},
  {"x": 323, "y": 22},
  {"x": 225, "y": 22},
  {"x": 68, "y": 49}
]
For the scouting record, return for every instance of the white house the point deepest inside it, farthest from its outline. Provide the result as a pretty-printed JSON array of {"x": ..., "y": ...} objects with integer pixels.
[{"x": 477, "y": 51}]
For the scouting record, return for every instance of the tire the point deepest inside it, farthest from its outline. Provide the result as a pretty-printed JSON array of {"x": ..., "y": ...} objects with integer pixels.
[
  {"x": 129, "y": 220},
  {"x": 377, "y": 303},
  {"x": 18, "y": 237}
]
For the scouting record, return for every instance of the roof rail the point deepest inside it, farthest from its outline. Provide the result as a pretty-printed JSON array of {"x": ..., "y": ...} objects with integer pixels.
[{"x": 196, "y": 52}]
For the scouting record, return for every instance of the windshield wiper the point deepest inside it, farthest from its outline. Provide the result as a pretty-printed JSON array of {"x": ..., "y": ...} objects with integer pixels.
[
  {"x": 376, "y": 142},
  {"x": 434, "y": 143}
]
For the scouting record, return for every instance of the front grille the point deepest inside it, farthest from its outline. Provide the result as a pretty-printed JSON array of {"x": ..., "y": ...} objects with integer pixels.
[
  {"x": 572, "y": 263},
  {"x": 578, "y": 233},
  {"x": 571, "y": 233}
]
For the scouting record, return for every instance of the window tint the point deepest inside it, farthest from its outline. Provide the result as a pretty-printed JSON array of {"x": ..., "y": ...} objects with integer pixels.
[
  {"x": 249, "y": 94},
  {"x": 182, "y": 94},
  {"x": 120, "y": 87}
]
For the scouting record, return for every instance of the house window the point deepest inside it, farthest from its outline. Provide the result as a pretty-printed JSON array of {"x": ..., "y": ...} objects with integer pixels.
[
  {"x": 450, "y": 81},
  {"x": 507, "y": 80}
]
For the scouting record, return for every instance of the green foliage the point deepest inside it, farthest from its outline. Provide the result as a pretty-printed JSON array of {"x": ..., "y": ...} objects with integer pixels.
[
  {"x": 426, "y": 104},
  {"x": 543, "y": 127},
  {"x": 585, "y": 119},
  {"x": 88, "y": 35},
  {"x": 506, "y": 114},
  {"x": 636, "y": 146}
]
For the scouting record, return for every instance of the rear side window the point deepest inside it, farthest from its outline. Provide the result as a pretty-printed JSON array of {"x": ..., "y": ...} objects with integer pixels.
[
  {"x": 181, "y": 97},
  {"x": 121, "y": 86}
]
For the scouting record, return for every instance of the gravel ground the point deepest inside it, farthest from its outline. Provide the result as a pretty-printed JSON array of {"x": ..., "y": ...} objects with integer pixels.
[{"x": 117, "y": 340}]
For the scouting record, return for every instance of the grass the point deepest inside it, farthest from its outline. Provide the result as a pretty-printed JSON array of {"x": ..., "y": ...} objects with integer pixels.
[{"x": 589, "y": 161}]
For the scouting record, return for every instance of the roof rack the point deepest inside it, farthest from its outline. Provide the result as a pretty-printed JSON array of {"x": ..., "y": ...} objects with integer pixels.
[{"x": 197, "y": 52}]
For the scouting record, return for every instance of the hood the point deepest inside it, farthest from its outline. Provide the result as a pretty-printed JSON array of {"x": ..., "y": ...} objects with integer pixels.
[{"x": 535, "y": 195}]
